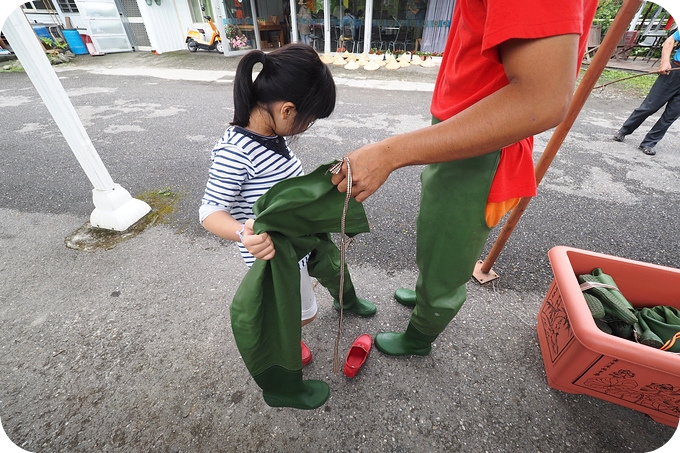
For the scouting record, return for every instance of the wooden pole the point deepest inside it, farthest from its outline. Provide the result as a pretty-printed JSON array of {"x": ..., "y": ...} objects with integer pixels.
[{"x": 483, "y": 272}]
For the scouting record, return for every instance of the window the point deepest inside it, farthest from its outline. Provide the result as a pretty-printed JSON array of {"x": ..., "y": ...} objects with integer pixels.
[
  {"x": 67, "y": 6},
  {"x": 38, "y": 5}
]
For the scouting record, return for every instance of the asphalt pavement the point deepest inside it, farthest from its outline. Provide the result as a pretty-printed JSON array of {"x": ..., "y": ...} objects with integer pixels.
[{"x": 129, "y": 347}]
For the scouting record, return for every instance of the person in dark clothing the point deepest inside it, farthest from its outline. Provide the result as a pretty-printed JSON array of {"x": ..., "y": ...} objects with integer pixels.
[{"x": 665, "y": 91}]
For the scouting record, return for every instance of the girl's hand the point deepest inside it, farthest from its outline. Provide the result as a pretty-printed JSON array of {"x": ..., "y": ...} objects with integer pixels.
[{"x": 259, "y": 245}]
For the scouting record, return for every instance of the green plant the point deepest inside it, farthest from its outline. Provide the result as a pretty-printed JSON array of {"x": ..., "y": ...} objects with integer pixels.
[
  {"x": 48, "y": 42},
  {"x": 606, "y": 11},
  {"x": 52, "y": 44},
  {"x": 622, "y": 82}
]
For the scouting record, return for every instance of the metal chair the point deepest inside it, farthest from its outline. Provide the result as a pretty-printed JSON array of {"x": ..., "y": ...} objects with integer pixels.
[
  {"x": 358, "y": 39},
  {"x": 376, "y": 38},
  {"x": 317, "y": 36},
  {"x": 390, "y": 34},
  {"x": 347, "y": 35},
  {"x": 403, "y": 42}
]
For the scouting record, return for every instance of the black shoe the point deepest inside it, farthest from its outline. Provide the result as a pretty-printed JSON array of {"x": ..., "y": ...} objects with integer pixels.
[
  {"x": 619, "y": 136},
  {"x": 648, "y": 151}
]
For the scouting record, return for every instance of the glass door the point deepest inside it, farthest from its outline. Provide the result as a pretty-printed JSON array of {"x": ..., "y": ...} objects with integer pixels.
[
  {"x": 240, "y": 33},
  {"x": 200, "y": 8},
  {"x": 104, "y": 25}
]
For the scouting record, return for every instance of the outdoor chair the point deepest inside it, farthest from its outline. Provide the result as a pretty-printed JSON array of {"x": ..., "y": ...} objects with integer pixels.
[
  {"x": 376, "y": 39},
  {"x": 347, "y": 37},
  {"x": 390, "y": 33},
  {"x": 403, "y": 42}
]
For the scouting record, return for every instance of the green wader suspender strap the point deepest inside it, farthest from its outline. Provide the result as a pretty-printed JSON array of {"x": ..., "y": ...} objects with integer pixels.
[
  {"x": 298, "y": 213},
  {"x": 452, "y": 231}
]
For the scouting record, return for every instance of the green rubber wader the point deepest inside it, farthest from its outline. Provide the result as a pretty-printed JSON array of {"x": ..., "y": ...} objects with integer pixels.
[
  {"x": 452, "y": 231},
  {"x": 298, "y": 213},
  {"x": 324, "y": 265}
]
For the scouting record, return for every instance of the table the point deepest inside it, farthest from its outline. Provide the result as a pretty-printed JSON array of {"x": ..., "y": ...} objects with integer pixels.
[{"x": 267, "y": 27}]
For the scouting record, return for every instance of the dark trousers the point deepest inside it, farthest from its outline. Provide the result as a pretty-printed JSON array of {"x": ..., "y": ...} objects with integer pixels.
[{"x": 666, "y": 90}]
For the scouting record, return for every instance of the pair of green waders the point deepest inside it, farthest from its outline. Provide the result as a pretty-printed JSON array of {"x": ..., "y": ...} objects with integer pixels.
[
  {"x": 451, "y": 233},
  {"x": 299, "y": 214}
]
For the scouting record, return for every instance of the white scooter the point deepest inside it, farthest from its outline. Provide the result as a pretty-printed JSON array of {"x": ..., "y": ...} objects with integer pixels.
[{"x": 204, "y": 36}]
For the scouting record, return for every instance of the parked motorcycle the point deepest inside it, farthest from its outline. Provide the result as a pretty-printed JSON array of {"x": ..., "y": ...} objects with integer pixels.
[{"x": 204, "y": 36}]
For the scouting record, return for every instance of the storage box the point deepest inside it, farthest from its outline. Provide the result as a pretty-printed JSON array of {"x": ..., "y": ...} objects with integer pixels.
[{"x": 580, "y": 358}]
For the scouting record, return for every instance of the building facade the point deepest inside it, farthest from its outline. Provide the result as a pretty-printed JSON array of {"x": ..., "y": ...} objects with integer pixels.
[{"x": 161, "y": 25}]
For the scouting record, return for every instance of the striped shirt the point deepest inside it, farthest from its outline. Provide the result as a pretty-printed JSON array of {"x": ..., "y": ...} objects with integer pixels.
[{"x": 244, "y": 166}]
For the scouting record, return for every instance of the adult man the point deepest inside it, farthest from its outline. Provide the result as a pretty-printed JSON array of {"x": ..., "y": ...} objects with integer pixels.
[
  {"x": 498, "y": 84},
  {"x": 348, "y": 30},
  {"x": 415, "y": 13},
  {"x": 304, "y": 17},
  {"x": 665, "y": 91}
]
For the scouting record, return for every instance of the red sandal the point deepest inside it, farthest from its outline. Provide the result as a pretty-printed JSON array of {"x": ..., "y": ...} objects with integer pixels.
[
  {"x": 357, "y": 354},
  {"x": 306, "y": 354}
]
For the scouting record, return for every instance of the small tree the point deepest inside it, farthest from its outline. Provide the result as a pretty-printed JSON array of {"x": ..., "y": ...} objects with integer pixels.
[{"x": 606, "y": 11}]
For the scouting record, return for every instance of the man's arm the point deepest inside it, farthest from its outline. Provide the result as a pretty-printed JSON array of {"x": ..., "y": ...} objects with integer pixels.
[
  {"x": 542, "y": 74},
  {"x": 666, "y": 49}
]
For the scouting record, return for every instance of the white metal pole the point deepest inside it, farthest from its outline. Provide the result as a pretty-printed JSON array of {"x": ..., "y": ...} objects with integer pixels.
[
  {"x": 368, "y": 25},
  {"x": 256, "y": 27},
  {"x": 293, "y": 22},
  {"x": 114, "y": 209},
  {"x": 326, "y": 26}
]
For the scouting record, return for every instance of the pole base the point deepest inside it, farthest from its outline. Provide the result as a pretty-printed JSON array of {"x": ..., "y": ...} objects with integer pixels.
[
  {"x": 116, "y": 210},
  {"x": 483, "y": 277}
]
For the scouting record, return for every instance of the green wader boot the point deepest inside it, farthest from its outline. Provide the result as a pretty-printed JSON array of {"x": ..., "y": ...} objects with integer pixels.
[
  {"x": 411, "y": 342},
  {"x": 285, "y": 388},
  {"x": 324, "y": 265},
  {"x": 405, "y": 297},
  {"x": 299, "y": 214},
  {"x": 452, "y": 231}
]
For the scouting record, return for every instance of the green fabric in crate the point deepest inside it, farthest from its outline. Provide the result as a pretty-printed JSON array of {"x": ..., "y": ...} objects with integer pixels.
[
  {"x": 659, "y": 324},
  {"x": 615, "y": 315}
]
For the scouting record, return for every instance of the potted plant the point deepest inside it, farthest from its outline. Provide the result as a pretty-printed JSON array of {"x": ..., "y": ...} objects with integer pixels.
[{"x": 236, "y": 40}]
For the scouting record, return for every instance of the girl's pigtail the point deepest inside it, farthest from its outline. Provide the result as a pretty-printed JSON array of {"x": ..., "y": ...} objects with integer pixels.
[{"x": 245, "y": 97}]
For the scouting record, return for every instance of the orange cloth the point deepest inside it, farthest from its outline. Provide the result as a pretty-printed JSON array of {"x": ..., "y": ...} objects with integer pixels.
[{"x": 496, "y": 210}]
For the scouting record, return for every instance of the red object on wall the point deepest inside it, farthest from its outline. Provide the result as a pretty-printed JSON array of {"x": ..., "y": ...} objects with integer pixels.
[{"x": 669, "y": 24}]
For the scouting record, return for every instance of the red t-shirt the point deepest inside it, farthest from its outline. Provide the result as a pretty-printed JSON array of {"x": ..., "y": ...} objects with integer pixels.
[{"x": 471, "y": 68}]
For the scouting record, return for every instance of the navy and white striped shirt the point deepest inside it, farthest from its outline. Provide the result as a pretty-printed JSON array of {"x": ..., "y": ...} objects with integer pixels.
[{"x": 244, "y": 166}]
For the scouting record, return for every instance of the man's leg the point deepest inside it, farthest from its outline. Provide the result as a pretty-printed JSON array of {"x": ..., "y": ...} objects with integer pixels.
[
  {"x": 324, "y": 265},
  {"x": 452, "y": 232},
  {"x": 668, "y": 117},
  {"x": 658, "y": 95}
]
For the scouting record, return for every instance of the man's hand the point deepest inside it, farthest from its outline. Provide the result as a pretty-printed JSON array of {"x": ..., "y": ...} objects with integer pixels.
[
  {"x": 259, "y": 245},
  {"x": 665, "y": 67},
  {"x": 369, "y": 171}
]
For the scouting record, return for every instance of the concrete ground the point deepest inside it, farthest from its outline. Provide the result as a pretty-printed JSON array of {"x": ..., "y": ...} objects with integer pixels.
[{"x": 130, "y": 348}]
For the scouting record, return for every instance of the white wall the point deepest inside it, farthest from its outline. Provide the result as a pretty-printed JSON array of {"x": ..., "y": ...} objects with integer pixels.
[{"x": 166, "y": 24}]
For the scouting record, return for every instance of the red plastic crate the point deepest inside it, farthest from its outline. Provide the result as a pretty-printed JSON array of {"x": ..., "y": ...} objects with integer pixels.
[{"x": 580, "y": 358}]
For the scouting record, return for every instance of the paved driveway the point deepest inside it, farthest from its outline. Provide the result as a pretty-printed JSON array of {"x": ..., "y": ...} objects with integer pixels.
[{"x": 130, "y": 349}]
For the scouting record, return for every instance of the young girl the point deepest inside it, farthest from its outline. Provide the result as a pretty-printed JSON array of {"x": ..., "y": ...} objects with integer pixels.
[{"x": 292, "y": 90}]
